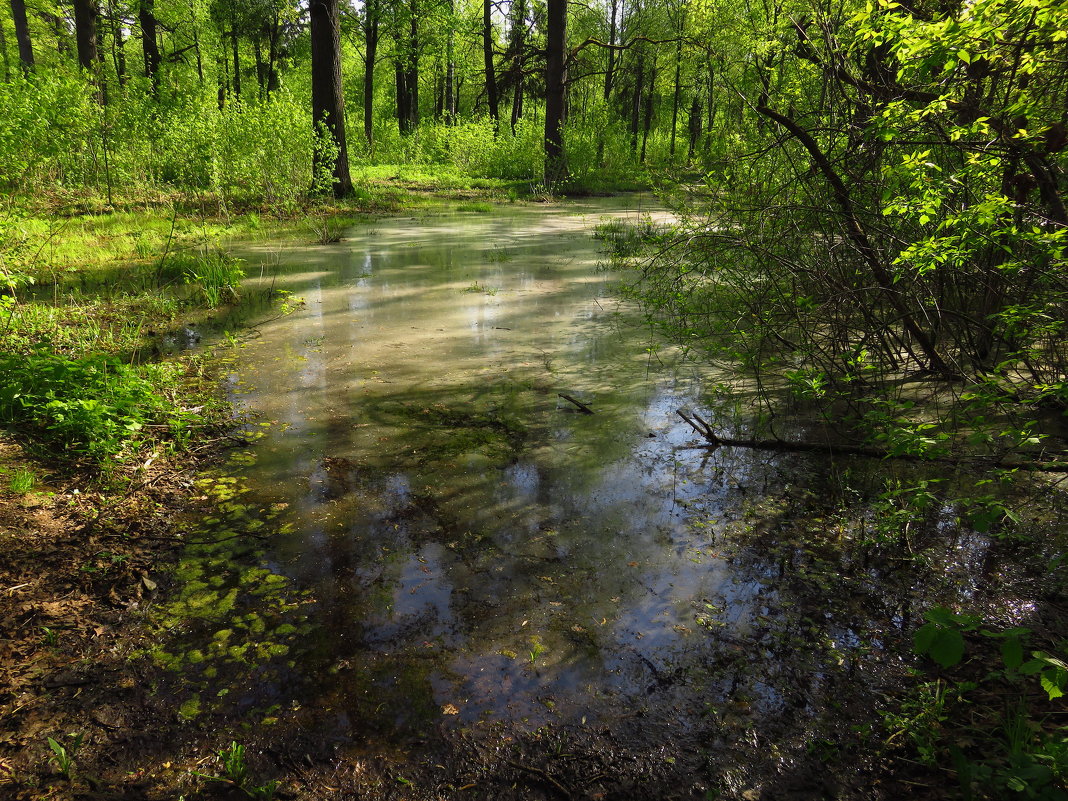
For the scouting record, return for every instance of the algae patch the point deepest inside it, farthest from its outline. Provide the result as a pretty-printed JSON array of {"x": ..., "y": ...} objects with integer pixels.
[{"x": 230, "y": 614}]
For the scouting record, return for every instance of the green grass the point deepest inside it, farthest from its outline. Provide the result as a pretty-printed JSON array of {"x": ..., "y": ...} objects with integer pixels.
[
  {"x": 478, "y": 207},
  {"x": 21, "y": 481}
]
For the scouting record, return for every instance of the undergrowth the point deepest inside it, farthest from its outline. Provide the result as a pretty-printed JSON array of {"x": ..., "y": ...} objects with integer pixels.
[{"x": 94, "y": 407}]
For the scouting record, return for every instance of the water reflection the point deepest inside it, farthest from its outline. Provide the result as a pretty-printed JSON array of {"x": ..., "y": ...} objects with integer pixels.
[{"x": 480, "y": 551}]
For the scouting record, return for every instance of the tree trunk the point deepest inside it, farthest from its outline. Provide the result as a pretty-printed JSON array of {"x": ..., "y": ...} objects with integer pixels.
[
  {"x": 3, "y": 48},
  {"x": 517, "y": 103},
  {"x": 85, "y": 16},
  {"x": 274, "y": 31},
  {"x": 609, "y": 73},
  {"x": 261, "y": 67},
  {"x": 237, "y": 62},
  {"x": 695, "y": 125},
  {"x": 328, "y": 99},
  {"x": 555, "y": 87},
  {"x": 636, "y": 103},
  {"x": 487, "y": 57},
  {"x": 118, "y": 43},
  {"x": 146, "y": 15},
  {"x": 411, "y": 71},
  {"x": 450, "y": 68},
  {"x": 60, "y": 30},
  {"x": 517, "y": 45},
  {"x": 649, "y": 108},
  {"x": 675, "y": 98},
  {"x": 196, "y": 40},
  {"x": 372, "y": 11},
  {"x": 22, "y": 34},
  {"x": 402, "y": 97}
]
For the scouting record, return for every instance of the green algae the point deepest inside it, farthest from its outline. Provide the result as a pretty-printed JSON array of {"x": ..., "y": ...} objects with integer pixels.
[
  {"x": 189, "y": 709},
  {"x": 229, "y": 613}
]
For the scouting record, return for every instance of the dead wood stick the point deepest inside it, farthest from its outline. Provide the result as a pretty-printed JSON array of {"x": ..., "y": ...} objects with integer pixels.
[
  {"x": 582, "y": 406},
  {"x": 701, "y": 427}
]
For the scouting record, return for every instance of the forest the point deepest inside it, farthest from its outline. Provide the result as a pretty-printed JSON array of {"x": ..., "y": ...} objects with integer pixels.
[{"x": 852, "y": 223}]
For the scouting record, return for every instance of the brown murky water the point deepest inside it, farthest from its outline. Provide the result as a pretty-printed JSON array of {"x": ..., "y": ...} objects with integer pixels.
[{"x": 475, "y": 551}]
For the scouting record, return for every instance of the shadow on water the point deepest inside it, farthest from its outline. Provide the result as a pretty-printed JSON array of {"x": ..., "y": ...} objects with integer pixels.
[{"x": 454, "y": 553}]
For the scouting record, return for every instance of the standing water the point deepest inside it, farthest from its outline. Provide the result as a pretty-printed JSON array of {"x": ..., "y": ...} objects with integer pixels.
[{"x": 466, "y": 551}]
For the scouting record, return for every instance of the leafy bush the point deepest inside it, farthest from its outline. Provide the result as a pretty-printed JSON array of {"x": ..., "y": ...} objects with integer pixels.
[{"x": 95, "y": 407}]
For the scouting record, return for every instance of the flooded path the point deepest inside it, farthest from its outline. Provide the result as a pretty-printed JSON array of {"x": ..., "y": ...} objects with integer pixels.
[{"x": 467, "y": 554}]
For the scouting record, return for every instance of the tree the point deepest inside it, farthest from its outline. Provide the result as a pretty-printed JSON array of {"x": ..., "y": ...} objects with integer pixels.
[
  {"x": 406, "y": 64},
  {"x": 22, "y": 34},
  {"x": 492, "y": 96},
  {"x": 85, "y": 28},
  {"x": 146, "y": 16},
  {"x": 555, "y": 87},
  {"x": 328, "y": 100},
  {"x": 371, "y": 22},
  {"x": 889, "y": 201}
]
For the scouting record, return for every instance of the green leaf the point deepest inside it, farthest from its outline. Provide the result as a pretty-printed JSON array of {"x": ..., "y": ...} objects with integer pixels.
[
  {"x": 1032, "y": 667},
  {"x": 1053, "y": 682},
  {"x": 948, "y": 648},
  {"x": 940, "y": 616},
  {"x": 1012, "y": 652},
  {"x": 924, "y": 637}
]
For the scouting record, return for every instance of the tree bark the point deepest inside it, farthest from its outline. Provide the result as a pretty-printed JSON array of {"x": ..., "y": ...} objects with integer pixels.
[
  {"x": 492, "y": 97},
  {"x": 648, "y": 123},
  {"x": 636, "y": 103},
  {"x": 237, "y": 61},
  {"x": 695, "y": 125},
  {"x": 517, "y": 45},
  {"x": 85, "y": 17},
  {"x": 118, "y": 43},
  {"x": 678, "y": 92},
  {"x": 22, "y": 34},
  {"x": 450, "y": 68},
  {"x": 3, "y": 48},
  {"x": 328, "y": 99},
  {"x": 411, "y": 71},
  {"x": 406, "y": 63},
  {"x": 609, "y": 73},
  {"x": 372, "y": 17},
  {"x": 146, "y": 15},
  {"x": 274, "y": 32},
  {"x": 555, "y": 87}
]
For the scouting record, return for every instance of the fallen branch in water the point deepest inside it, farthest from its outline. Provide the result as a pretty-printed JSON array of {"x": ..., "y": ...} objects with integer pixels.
[
  {"x": 582, "y": 406},
  {"x": 827, "y": 449},
  {"x": 715, "y": 441}
]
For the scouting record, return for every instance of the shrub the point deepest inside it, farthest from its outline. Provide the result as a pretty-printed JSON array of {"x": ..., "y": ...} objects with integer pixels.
[{"x": 95, "y": 407}]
